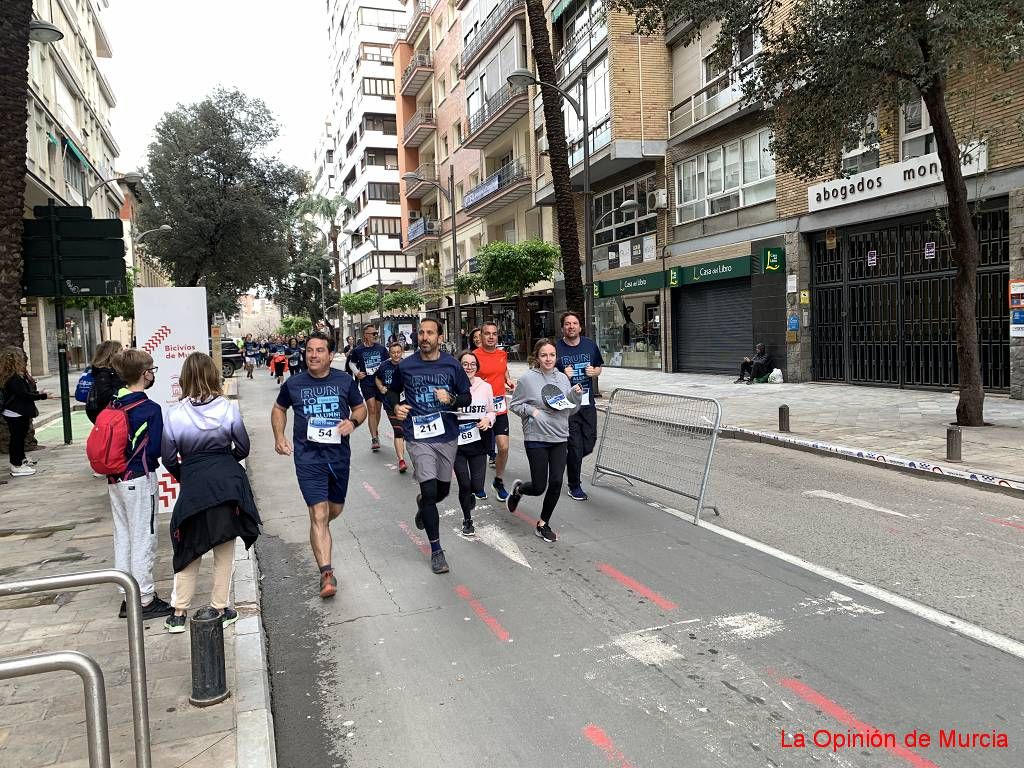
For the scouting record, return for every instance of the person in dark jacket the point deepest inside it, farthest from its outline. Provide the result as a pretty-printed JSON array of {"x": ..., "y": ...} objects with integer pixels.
[
  {"x": 19, "y": 406},
  {"x": 105, "y": 381},
  {"x": 759, "y": 366},
  {"x": 203, "y": 442}
]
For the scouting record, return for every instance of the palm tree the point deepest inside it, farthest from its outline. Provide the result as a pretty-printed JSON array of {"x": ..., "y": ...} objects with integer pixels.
[
  {"x": 14, "y": 44},
  {"x": 558, "y": 149}
]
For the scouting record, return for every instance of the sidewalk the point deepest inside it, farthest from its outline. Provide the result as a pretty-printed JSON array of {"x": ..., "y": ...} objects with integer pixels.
[
  {"x": 59, "y": 522},
  {"x": 891, "y": 426}
]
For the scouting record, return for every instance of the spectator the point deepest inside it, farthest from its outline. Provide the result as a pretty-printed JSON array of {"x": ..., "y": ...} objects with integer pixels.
[
  {"x": 105, "y": 381},
  {"x": 756, "y": 368},
  {"x": 17, "y": 403}
]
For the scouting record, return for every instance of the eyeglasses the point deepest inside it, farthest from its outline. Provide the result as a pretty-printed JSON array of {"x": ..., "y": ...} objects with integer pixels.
[
  {"x": 154, "y": 369},
  {"x": 470, "y": 365},
  {"x": 375, "y": 334}
]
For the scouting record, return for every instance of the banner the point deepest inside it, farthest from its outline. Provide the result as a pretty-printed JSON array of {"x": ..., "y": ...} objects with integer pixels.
[{"x": 170, "y": 324}]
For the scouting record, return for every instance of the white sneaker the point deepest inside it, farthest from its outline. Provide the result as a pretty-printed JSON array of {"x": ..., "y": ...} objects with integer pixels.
[{"x": 23, "y": 471}]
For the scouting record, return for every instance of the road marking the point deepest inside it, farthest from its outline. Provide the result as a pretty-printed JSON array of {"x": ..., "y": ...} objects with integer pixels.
[
  {"x": 636, "y": 586},
  {"x": 647, "y": 649},
  {"x": 414, "y": 538},
  {"x": 749, "y": 626},
  {"x": 370, "y": 490},
  {"x": 933, "y": 615},
  {"x": 1008, "y": 523},
  {"x": 478, "y": 608},
  {"x": 837, "y": 602},
  {"x": 496, "y": 538},
  {"x": 852, "y": 502},
  {"x": 602, "y": 741},
  {"x": 847, "y": 718}
]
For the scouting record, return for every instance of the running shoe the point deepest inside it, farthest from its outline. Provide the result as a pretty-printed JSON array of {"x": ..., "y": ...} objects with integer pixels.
[
  {"x": 175, "y": 625},
  {"x": 467, "y": 528},
  {"x": 543, "y": 531},
  {"x": 402, "y": 466},
  {"x": 512, "y": 501},
  {"x": 740, "y": 380},
  {"x": 156, "y": 609},
  {"x": 228, "y": 617},
  {"x": 481, "y": 495},
  {"x": 328, "y": 585},
  {"x": 374, "y": 444},
  {"x": 419, "y": 513},
  {"x": 578, "y": 494},
  {"x": 499, "y": 489},
  {"x": 23, "y": 470},
  {"x": 493, "y": 460},
  {"x": 437, "y": 562}
]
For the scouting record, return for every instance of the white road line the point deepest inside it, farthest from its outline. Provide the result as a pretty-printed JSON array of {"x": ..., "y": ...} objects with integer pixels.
[
  {"x": 852, "y": 502},
  {"x": 496, "y": 538},
  {"x": 937, "y": 617}
]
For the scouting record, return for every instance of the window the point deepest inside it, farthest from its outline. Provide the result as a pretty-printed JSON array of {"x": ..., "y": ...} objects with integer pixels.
[
  {"x": 864, "y": 156},
  {"x": 916, "y": 133},
  {"x": 444, "y": 147},
  {"x": 379, "y": 86},
  {"x": 454, "y": 79},
  {"x": 438, "y": 32},
  {"x": 74, "y": 174},
  {"x": 382, "y": 18},
  {"x": 458, "y": 134},
  {"x": 385, "y": 191},
  {"x": 377, "y": 52},
  {"x": 440, "y": 89},
  {"x": 459, "y": 192},
  {"x": 386, "y": 124},
  {"x": 385, "y": 225},
  {"x": 330, "y": 155},
  {"x": 737, "y": 174},
  {"x": 610, "y": 225}
]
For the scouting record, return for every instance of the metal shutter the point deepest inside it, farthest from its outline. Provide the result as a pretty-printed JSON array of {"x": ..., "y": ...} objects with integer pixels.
[{"x": 712, "y": 326}]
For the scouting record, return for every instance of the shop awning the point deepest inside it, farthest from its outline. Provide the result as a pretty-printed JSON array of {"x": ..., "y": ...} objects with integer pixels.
[
  {"x": 52, "y": 139},
  {"x": 559, "y": 8},
  {"x": 77, "y": 153}
]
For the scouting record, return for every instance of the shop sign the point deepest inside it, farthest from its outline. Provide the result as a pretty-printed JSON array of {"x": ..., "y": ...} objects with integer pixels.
[
  {"x": 929, "y": 249},
  {"x": 1017, "y": 323},
  {"x": 613, "y": 257},
  {"x": 1016, "y": 294},
  {"x": 635, "y": 284},
  {"x": 725, "y": 269},
  {"x": 773, "y": 260},
  {"x": 890, "y": 179}
]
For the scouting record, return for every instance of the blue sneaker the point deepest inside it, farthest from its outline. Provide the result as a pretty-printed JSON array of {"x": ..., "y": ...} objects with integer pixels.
[
  {"x": 578, "y": 494},
  {"x": 499, "y": 489},
  {"x": 481, "y": 495}
]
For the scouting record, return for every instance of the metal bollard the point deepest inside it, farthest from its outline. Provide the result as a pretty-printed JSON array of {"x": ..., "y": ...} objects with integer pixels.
[
  {"x": 954, "y": 442},
  {"x": 209, "y": 675},
  {"x": 783, "y": 418}
]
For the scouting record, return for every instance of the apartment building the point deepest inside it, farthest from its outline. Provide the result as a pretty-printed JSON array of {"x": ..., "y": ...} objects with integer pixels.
[{"x": 71, "y": 151}]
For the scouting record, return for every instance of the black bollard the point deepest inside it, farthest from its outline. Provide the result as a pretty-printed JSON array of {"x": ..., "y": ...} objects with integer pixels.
[
  {"x": 209, "y": 676},
  {"x": 954, "y": 441},
  {"x": 783, "y": 418}
]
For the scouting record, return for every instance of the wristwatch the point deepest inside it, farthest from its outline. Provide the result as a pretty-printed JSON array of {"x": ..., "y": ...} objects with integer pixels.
[{"x": 355, "y": 424}]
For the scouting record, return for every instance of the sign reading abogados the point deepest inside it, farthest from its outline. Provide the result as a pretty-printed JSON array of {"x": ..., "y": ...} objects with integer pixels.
[{"x": 726, "y": 269}]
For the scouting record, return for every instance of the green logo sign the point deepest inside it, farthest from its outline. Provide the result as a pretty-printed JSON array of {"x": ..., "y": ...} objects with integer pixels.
[
  {"x": 773, "y": 260},
  {"x": 636, "y": 284},
  {"x": 726, "y": 269}
]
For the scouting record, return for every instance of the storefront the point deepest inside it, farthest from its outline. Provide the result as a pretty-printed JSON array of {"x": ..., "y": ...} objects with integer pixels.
[{"x": 628, "y": 320}]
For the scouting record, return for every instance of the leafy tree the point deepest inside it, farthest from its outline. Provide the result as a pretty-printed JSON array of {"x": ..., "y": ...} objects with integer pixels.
[
  {"x": 827, "y": 67},
  {"x": 323, "y": 211},
  {"x": 510, "y": 269},
  {"x": 209, "y": 177},
  {"x": 403, "y": 299},
  {"x": 293, "y": 326},
  {"x": 296, "y": 294},
  {"x": 362, "y": 303}
]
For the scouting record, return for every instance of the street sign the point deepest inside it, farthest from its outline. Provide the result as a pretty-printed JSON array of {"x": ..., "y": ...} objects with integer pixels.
[
  {"x": 76, "y": 229},
  {"x": 79, "y": 212},
  {"x": 113, "y": 249}
]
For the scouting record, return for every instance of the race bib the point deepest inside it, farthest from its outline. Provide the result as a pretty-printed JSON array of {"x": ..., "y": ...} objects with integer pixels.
[
  {"x": 320, "y": 430},
  {"x": 559, "y": 402},
  {"x": 586, "y": 397},
  {"x": 499, "y": 405},
  {"x": 430, "y": 425},
  {"x": 468, "y": 433},
  {"x": 371, "y": 369}
]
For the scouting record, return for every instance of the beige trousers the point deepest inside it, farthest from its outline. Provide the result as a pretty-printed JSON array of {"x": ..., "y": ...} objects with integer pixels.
[{"x": 185, "y": 580}]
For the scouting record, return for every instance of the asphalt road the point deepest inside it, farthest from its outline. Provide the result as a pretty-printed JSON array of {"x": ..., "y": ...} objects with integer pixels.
[{"x": 639, "y": 639}]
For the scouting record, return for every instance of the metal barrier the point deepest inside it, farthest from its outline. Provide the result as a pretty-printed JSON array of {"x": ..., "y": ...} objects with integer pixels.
[
  {"x": 95, "y": 694},
  {"x": 662, "y": 440},
  {"x": 136, "y": 640}
]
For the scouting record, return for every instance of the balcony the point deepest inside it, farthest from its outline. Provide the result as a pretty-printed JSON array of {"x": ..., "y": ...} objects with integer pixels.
[
  {"x": 420, "y": 18},
  {"x": 509, "y": 184},
  {"x": 421, "y": 232},
  {"x": 427, "y": 173},
  {"x": 417, "y": 73},
  {"x": 692, "y": 116},
  {"x": 419, "y": 127},
  {"x": 428, "y": 281},
  {"x": 579, "y": 46},
  {"x": 496, "y": 23},
  {"x": 497, "y": 115}
]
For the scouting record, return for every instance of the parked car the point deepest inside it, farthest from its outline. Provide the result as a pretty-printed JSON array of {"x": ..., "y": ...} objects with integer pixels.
[{"x": 231, "y": 357}]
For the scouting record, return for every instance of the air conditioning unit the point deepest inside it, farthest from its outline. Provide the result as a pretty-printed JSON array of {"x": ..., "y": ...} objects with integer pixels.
[
  {"x": 657, "y": 200},
  {"x": 414, "y": 215},
  {"x": 434, "y": 227},
  {"x": 542, "y": 145}
]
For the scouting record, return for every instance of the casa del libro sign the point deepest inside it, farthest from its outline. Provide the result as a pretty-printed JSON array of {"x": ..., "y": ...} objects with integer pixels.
[{"x": 917, "y": 172}]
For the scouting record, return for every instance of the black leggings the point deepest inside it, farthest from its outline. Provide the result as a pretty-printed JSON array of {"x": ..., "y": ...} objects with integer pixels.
[
  {"x": 18, "y": 427},
  {"x": 547, "y": 465},
  {"x": 470, "y": 471},
  {"x": 432, "y": 492}
]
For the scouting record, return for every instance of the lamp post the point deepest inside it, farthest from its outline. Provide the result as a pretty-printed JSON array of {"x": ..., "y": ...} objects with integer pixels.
[
  {"x": 161, "y": 228},
  {"x": 449, "y": 195},
  {"x": 134, "y": 177},
  {"x": 376, "y": 252},
  {"x": 332, "y": 241},
  {"x": 40, "y": 31},
  {"x": 323, "y": 301},
  {"x": 524, "y": 78}
]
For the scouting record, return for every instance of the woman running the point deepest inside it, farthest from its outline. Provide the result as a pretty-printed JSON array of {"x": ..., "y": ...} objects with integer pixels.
[
  {"x": 544, "y": 400},
  {"x": 382, "y": 378},
  {"x": 471, "y": 458},
  {"x": 294, "y": 353}
]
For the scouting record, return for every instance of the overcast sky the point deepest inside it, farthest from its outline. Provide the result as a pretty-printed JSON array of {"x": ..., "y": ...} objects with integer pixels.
[{"x": 169, "y": 52}]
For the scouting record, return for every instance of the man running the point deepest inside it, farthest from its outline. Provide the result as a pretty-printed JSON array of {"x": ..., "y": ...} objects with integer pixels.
[
  {"x": 382, "y": 378},
  {"x": 328, "y": 407},
  {"x": 580, "y": 360},
  {"x": 494, "y": 370},
  {"x": 365, "y": 360},
  {"x": 435, "y": 387}
]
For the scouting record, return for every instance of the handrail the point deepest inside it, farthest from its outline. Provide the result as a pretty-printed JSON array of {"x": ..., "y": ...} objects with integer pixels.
[
  {"x": 483, "y": 35},
  {"x": 700, "y": 105},
  {"x": 504, "y": 95},
  {"x": 504, "y": 177},
  {"x": 136, "y": 640},
  {"x": 426, "y": 172},
  {"x": 417, "y": 61},
  {"x": 421, "y": 117}
]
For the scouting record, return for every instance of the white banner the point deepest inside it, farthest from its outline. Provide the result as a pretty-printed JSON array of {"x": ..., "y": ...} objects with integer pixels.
[{"x": 170, "y": 324}]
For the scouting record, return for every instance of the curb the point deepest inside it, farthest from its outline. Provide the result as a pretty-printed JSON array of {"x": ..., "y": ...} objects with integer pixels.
[
  {"x": 254, "y": 720},
  {"x": 889, "y": 461}
]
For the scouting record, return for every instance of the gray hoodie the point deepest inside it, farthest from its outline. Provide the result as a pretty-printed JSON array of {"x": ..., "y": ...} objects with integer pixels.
[
  {"x": 214, "y": 426},
  {"x": 547, "y": 425}
]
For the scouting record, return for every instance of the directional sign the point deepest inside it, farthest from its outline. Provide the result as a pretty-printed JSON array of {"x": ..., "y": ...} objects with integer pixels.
[
  {"x": 79, "y": 212},
  {"x": 36, "y": 248},
  {"x": 91, "y": 229}
]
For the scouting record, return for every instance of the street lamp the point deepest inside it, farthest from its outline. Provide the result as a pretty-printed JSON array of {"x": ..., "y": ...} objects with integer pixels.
[
  {"x": 161, "y": 228},
  {"x": 40, "y": 31},
  {"x": 524, "y": 78},
  {"x": 626, "y": 206},
  {"x": 323, "y": 300},
  {"x": 133, "y": 177},
  {"x": 376, "y": 251},
  {"x": 449, "y": 195}
]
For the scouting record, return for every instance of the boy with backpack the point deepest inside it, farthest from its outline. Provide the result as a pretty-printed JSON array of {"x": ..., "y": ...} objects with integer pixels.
[{"x": 124, "y": 445}]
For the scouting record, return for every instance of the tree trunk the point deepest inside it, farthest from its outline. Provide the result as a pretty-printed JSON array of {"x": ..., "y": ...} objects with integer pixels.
[
  {"x": 14, "y": 21},
  {"x": 522, "y": 312},
  {"x": 558, "y": 150},
  {"x": 970, "y": 410}
]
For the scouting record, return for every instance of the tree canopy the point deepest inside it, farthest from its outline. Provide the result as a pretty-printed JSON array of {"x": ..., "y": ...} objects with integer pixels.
[{"x": 403, "y": 299}]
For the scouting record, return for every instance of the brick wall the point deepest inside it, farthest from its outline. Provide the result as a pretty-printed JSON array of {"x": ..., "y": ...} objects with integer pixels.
[{"x": 638, "y": 112}]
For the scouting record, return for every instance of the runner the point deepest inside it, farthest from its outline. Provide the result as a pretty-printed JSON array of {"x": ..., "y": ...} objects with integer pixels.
[
  {"x": 364, "y": 361},
  {"x": 278, "y": 362},
  {"x": 250, "y": 351},
  {"x": 382, "y": 378},
  {"x": 435, "y": 386},
  {"x": 471, "y": 460},
  {"x": 327, "y": 407},
  {"x": 580, "y": 360},
  {"x": 494, "y": 370},
  {"x": 543, "y": 399},
  {"x": 294, "y": 353}
]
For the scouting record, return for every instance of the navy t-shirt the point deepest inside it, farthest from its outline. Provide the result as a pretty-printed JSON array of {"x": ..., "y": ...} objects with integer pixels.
[
  {"x": 579, "y": 357},
  {"x": 386, "y": 373},
  {"x": 333, "y": 397},
  {"x": 418, "y": 378},
  {"x": 368, "y": 360}
]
